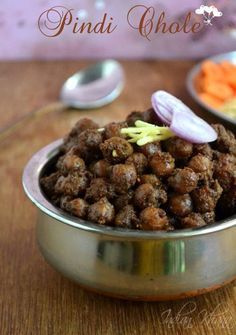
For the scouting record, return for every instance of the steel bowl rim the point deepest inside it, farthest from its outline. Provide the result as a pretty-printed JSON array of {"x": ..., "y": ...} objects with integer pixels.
[
  {"x": 30, "y": 181},
  {"x": 192, "y": 91}
]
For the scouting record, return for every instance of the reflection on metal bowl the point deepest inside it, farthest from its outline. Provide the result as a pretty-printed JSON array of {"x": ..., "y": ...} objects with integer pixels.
[{"x": 125, "y": 263}]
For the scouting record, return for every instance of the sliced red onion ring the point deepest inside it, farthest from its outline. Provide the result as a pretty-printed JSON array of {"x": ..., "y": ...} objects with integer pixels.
[
  {"x": 181, "y": 119},
  {"x": 165, "y": 105},
  {"x": 192, "y": 128}
]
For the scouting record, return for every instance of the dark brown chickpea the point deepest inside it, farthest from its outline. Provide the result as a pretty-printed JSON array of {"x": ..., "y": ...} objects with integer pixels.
[
  {"x": 181, "y": 204},
  {"x": 200, "y": 163},
  {"x": 150, "y": 149},
  {"x": 132, "y": 117},
  {"x": 72, "y": 163},
  {"x": 124, "y": 199},
  {"x": 150, "y": 116},
  {"x": 226, "y": 141},
  {"x": 101, "y": 168},
  {"x": 123, "y": 176},
  {"x": 126, "y": 218},
  {"x": 179, "y": 148},
  {"x": 154, "y": 219},
  {"x": 113, "y": 129},
  {"x": 78, "y": 207},
  {"x": 225, "y": 171},
  {"x": 147, "y": 116},
  {"x": 208, "y": 217},
  {"x": 193, "y": 220},
  {"x": 205, "y": 198},
  {"x": 183, "y": 180},
  {"x": 68, "y": 143},
  {"x": 88, "y": 144},
  {"x": 146, "y": 196},
  {"x": 72, "y": 138},
  {"x": 203, "y": 149},
  {"x": 150, "y": 179},
  {"x": 139, "y": 161},
  {"x": 59, "y": 162},
  {"x": 65, "y": 202},
  {"x": 116, "y": 149},
  {"x": 83, "y": 124},
  {"x": 101, "y": 212},
  {"x": 98, "y": 189},
  {"x": 162, "y": 164},
  {"x": 48, "y": 183},
  {"x": 73, "y": 185}
]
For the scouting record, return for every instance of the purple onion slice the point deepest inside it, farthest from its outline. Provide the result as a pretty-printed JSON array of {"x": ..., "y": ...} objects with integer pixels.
[
  {"x": 181, "y": 119},
  {"x": 165, "y": 105},
  {"x": 192, "y": 128}
]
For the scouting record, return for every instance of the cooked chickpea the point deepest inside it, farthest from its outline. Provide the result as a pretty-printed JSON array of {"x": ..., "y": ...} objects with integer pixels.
[
  {"x": 181, "y": 204},
  {"x": 154, "y": 219},
  {"x": 162, "y": 164},
  {"x": 179, "y": 148},
  {"x": 193, "y": 220},
  {"x": 123, "y": 176},
  {"x": 116, "y": 149},
  {"x": 139, "y": 160},
  {"x": 183, "y": 180},
  {"x": 101, "y": 212}
]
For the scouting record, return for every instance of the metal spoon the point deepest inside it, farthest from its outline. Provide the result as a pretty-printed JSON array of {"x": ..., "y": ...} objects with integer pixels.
[
  {"x": 95, "y": 86},
  {"x": 90, "y": 88}
]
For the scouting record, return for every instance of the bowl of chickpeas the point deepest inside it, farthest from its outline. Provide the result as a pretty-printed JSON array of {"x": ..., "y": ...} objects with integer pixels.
[{"x": 150, "y": 222}]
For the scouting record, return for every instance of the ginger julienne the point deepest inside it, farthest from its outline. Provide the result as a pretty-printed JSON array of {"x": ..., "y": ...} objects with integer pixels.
[{"x": 145, "y": 20}]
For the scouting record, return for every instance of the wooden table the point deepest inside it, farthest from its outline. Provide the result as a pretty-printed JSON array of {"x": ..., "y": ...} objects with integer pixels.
[{"x": 34, "y": 299}]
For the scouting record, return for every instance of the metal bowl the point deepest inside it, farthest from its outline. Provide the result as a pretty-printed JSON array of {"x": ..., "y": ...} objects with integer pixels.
[
  {"x": 126, "y": 263},
  {"x": 229, "y": 56}
]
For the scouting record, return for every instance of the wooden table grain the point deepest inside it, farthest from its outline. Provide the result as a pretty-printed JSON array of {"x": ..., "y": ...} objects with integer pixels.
[{"x": 36, "y": 300}]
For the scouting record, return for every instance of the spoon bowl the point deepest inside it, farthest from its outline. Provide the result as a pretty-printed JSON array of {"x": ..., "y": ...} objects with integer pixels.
[{"x": 95, "y": 86}]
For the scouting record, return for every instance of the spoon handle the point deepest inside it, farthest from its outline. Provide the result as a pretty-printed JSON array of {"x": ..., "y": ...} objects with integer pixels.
[{"x": 5, "y": 131}]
